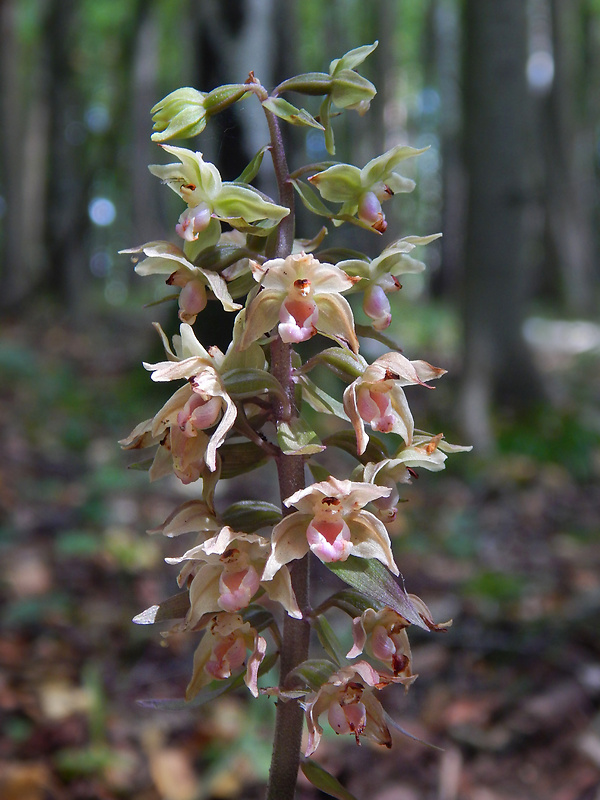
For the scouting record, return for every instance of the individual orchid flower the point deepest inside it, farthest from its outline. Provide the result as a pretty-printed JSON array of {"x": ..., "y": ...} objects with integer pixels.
[
  {"x": 377, "y": 398},
  {"x": 225, "y": 572},
  {"x": 379, "y": 275},
  {"x": 426, "y": 451},
  {"x": 303, "y": 296},
  {"x": 331, "y": 522},
  {"x": 176, "y": 453},
  {"x": 382, "y": 634},
  {"x": 222, "y": 651},
  {"x": 351, "y": 706},
  {"x": 167, "y": 259},
  {"x": 362, "y": 191},
  {"x": 199, "y": 184},
  {"x": 200, "y": 405}
]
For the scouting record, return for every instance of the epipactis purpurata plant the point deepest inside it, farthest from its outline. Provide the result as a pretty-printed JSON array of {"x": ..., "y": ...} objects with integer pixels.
[{"x": 245, "y": 578}]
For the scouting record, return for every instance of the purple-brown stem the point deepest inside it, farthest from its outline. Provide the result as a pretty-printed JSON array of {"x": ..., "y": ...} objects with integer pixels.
[{"x": 290, "y": 470}]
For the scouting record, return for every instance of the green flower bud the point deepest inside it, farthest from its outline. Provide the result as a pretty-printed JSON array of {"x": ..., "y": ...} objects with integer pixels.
[{"x": 180, "y": 114}]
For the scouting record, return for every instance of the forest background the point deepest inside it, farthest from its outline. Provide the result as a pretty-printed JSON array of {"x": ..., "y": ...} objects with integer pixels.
[{"x": 506, "y": 96}]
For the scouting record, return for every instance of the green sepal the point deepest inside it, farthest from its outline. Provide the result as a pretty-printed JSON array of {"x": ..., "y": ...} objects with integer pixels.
[
  {"x": 311, "y": 83},
  {"x": 253, "y": 167},
  {"x": 174, "y": 607},
  {"x": 296, "y": 439},
  {"x": 241, "y": 457},
  {"x": 311, "y": 199},
  {"x": 346, "y": 441},
  {"x": 286, "y": 111},
  {"x": 207, "y": 238},
  {"x": 324, "y": 781},
  {"x": 207, "y": 695},
  {"x": 373, "y": 580},
  {"x": 330, "y": 642},
  {"x": 349, "y": 89},
  {"x": 325, "y": 118},
  {"x": 353, "y": 58},
  {"x": 251, "y": 515}
]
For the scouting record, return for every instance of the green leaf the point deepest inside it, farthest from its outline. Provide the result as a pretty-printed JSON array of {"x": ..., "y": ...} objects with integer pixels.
[
  {"x": 250, "y": 515},
  {"x": 330, "y": 642},
  {"x": 319, "y": 400},
  {"x": 240, "y": 457},
  {"x": 352, "y": 602},
  {"x": 242, "y": 384},
  {"x": 346, "y": 441},
  {"x": 372, "y": 579},
  {"x": 295, "y": 116},
  {"x": 324, "y": 781},
  {"x": 318, "y": 471},
  {"x": 296, "y": 438},
  {"x": 314, "y": 672},
  {"x": 253, "y": 167}
]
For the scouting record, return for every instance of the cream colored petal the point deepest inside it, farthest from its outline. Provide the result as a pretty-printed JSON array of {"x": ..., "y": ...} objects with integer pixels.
[
  {"x": 351, "y": 408},
  {"x": 336, "y": 319},
  {"x": 194, "y": 515},
  {"x": 222, "y": 541},
  {"x": 371, "y": 540},
  {"x": 177, "y": 370},
  {"x": 254, "y": 662},
  {"x": 200, "y": 678},
  {"x": 261, "y": 316},
  {"x": 280, "y": 590},
  {"x": 168, "y": 413},
  {"x": 288, "y": 543},
  {"x": 220, "y": 434},
  {"x": 404, "y": 423},
  {"x": 204, "y": 593},
  {"x": 140, "y": 437}
]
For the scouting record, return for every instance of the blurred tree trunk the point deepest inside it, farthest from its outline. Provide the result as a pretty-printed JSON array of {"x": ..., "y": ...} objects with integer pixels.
[
  {"x": 25, "y": 115},
  {"x": 67, "y": 192},
  {"x": 447, "y": 49},
  {"x": 567, "y": 133},
  {"x": 497, "y": 366}
]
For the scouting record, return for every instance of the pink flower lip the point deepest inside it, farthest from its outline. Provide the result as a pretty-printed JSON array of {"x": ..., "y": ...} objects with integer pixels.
[
  {"x": 198, "y": 413},
  {"x": 329, "y": 539},
  {"x": 376, "y": 409}
]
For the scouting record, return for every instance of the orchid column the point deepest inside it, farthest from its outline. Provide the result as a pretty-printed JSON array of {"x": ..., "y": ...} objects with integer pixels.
[{"x": 245, "y": 577}]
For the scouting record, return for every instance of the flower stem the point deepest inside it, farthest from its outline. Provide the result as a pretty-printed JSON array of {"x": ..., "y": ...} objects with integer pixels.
[{"x": 290, "y": 470}]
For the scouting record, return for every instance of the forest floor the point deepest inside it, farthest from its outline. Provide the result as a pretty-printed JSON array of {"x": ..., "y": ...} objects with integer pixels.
[{"x": 508, "y": 548}]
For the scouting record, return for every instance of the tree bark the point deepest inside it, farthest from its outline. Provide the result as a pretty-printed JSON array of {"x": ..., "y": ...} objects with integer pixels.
[{"x": 497, "y": 365}]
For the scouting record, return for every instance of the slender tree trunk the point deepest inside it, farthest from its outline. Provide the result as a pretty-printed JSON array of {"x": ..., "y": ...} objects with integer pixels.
[
  {"x": 567, "y": 135},
  {"x": 496, "y": 361}
]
